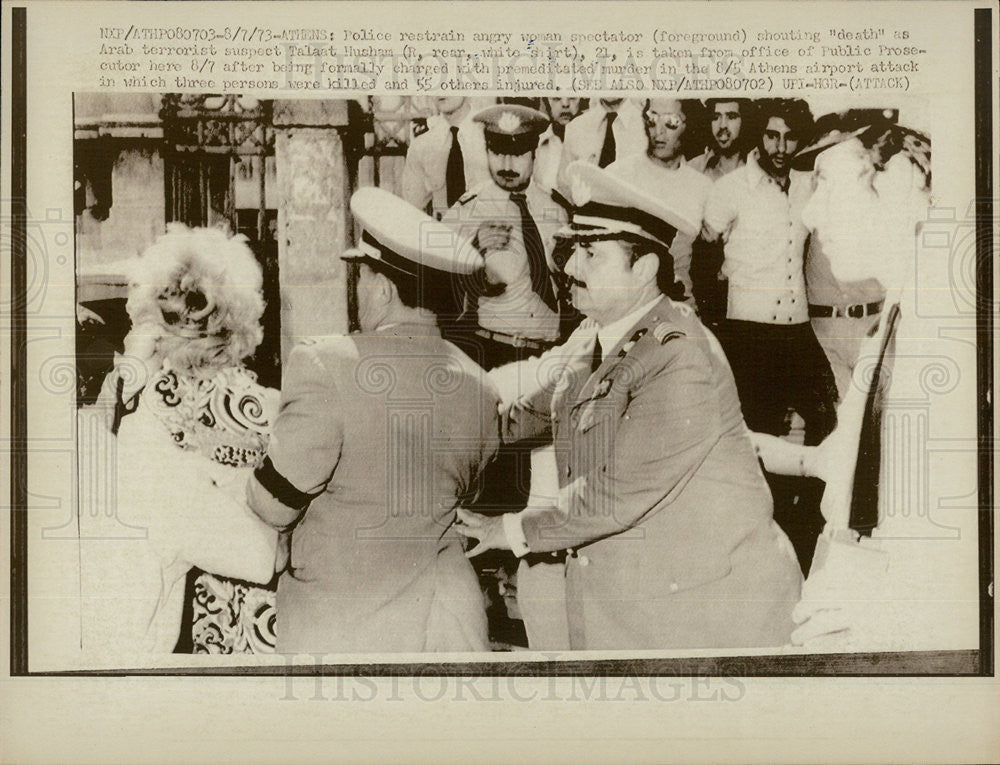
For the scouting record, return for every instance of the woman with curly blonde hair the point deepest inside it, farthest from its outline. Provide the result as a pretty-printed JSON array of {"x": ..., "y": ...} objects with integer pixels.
[{"x": 191, "y": 423}]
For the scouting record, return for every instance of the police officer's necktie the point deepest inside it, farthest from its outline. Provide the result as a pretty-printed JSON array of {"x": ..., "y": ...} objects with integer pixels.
[
  {"x": 537, "y": 267},
  {"x": 454, "y": 176},
  {"x": 608, "y": 149}
]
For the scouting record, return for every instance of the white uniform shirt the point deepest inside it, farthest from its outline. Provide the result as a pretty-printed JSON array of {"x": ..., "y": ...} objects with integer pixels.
[
  {"x": 584, "y": 137},
  {"x": 425, "y": 171},
  {"x": 518, "y": 310}
]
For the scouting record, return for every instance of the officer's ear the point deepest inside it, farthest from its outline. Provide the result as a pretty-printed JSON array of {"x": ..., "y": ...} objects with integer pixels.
[
  {"x": 646, "y": 267},
  {"x": 383, "y": 290}
]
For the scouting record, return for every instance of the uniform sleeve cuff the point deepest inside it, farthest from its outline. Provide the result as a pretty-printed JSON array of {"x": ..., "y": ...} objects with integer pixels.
[{"x": 515, "y": 534}]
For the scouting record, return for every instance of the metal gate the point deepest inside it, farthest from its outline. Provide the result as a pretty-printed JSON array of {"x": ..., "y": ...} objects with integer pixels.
[{"x": 218, "y": 159}]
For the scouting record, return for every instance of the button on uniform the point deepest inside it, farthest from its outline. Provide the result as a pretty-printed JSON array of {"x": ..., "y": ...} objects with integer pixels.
[{"x": 584, "y": 560}]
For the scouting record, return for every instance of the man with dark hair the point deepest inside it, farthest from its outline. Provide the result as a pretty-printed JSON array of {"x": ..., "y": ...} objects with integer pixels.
[
  {"x": 728, "y": 145},
  {"x": 661, "y": 509},
  {"x": 778, "y": 364},
  {"x": 663, "y": 173},
  {"x": 728, "y": 139},
  {"x": 380, "y": 435},
  {"x": 513, "y": 313}
]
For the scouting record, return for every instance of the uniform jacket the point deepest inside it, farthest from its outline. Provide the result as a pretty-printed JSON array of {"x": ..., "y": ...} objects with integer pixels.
[
  {"x": 662, "y": 500},
  {"x": 378, "y": 439}
]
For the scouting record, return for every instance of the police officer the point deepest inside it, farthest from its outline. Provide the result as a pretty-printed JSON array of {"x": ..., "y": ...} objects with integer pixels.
[
  {"x": 379, "y": 436},
  {"x": 446, "y": 160},
  {"x": 513, "y": 222},
  {"x": 661, "y": 499}
]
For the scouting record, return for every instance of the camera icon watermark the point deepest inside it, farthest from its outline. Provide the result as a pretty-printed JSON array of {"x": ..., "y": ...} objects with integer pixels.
[
  {"x": 48, "y": 243},
  {"x": 955, "y": 248}
]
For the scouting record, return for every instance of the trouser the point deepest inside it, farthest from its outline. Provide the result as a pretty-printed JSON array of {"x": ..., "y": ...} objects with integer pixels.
[
  {"x": 709, "y": 287},
  {"x": 541, "y": 577},
  {"x": 541, "y": 598},
  {"x": 840, "y": 338},
  {"x": 504, "y": 488},
  {"x": 779, "y": 369}
]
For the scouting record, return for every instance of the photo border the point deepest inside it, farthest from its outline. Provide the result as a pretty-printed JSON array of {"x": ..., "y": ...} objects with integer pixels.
[{"x": 977, "y": 662}]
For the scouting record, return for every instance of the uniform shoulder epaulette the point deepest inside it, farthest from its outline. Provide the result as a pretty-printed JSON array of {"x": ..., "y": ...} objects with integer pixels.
[
  {"x": 630, "y": 344},
  {"x": 467, "y": 197}
]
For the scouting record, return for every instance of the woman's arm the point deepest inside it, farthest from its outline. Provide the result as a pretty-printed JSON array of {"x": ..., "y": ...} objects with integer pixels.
[{"x": 784, "y": 457}]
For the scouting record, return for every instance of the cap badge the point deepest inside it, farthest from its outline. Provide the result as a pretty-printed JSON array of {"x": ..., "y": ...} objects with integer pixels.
[{"x": 508, "y": 122}]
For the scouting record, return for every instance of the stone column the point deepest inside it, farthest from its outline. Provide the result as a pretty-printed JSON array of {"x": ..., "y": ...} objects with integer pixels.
[{"x": 312, "y": 219}]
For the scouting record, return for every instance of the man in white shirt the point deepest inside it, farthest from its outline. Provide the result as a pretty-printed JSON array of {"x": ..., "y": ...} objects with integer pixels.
[
  {"x": 662, "y": 172},
  {"x": 608, "y": 130},
  {"x": 778, "y": 364},
  {"x": 842, "y": 313},
  {"x": 661, "y": 507},
  {"x": 548, "y": 155},
  {"x": 729, "y": 125},
  {"x": 446, "y": 160}
]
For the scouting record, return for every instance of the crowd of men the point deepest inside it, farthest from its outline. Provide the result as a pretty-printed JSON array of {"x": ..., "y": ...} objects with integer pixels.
[{"x": 638, "y": 282}]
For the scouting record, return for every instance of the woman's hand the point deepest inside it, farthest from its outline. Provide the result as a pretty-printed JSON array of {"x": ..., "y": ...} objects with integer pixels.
[
  {"x": 492, "y": 235},
  {"x": 834, "y": 461},
  {"x": 487, "y": 529}
]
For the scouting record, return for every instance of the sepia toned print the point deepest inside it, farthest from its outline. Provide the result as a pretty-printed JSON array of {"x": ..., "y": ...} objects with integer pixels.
[{"x": 653, "y": 386}]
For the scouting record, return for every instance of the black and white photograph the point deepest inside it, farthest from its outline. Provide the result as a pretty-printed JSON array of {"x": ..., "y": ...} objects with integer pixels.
[
  {"x": 503, "y": 381},
  {"x": 459, "y": 375}
]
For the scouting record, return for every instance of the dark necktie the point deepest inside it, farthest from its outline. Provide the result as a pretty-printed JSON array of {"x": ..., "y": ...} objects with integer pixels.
[
  {"x": 608, "y": 150},
  {"x": 864, "y": 497},
  {"x": 454, "y": 176},
  {"x": 537, "y": 267},
  {"x": 598, "y": 358}
]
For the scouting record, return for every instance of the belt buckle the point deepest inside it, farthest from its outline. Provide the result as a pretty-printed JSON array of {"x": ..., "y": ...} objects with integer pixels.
[
  {"x": 519, "y": 341},
  {"x": 856, "y": 311}
]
